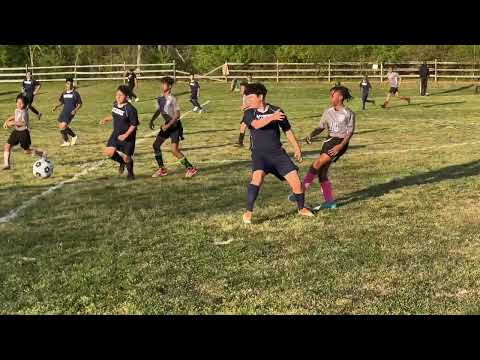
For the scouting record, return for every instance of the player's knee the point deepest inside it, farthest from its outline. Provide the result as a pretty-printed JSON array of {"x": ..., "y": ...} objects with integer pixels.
[
  {"x": 6, "y": 147},
  {"x": 109, "y": 152}
]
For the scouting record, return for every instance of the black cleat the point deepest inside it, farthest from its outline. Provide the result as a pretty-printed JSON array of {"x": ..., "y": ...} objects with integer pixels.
[{"x": 121, "y": 169}]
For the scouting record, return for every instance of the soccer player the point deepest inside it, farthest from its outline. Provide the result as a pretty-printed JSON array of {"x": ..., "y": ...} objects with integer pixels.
[
  {"x": 121, "y": 144},
  {"x": 365, "y": 87},
  {"x": 268, "y": 156},
  {"x": 340, "y": 124},
  {"x": 20, "y": 134},
  {"x": 244, "y": 107},
  {"x": 30, "y": 88},
  {"x": 394, "y": 79},
  {"x": 132, "y": 82},
  {"x": 72, "y": 102},
  {"x": 195, "y": 93},
  {"x": 168, "y": 107}
]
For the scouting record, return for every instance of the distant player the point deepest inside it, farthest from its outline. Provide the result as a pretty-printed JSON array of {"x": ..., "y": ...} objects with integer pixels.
[
  {"x": 132, "y": 82},
  {"x": 168, "y": 107},
  {"x": 268, "y": 156},
  {"x": 394, "y": 79},
  {"x": 195, "y": 93},
  {"x": 72, "y": 102},
  {"x": 20, "y": 134},
  {"x": 339, "y": 121},
  {"x": 30, "y": 88},
  {"x": 121, "y": 144},
  {"x": 244, "y": 107},
  {"x": 365, "y": 88}
]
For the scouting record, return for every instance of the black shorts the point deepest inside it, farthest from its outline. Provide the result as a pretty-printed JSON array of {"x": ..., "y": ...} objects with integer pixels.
[
  {"x": 278, "y": 164},
  {"x": 393, "y": 90},
  {"x": 65, "y": 117},
  {"x": 126, "y": 147},
  {"x": 175, "y": 134},
  {"x": 21, "y": 137},
  {"x": 330, "y": 143}
]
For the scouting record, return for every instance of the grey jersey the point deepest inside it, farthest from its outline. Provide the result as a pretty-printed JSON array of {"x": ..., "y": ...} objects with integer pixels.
[
  {"x": 168, "y": 106},
  {"x": 338, "y": 123},
  {"x": 21, "y": 120}
]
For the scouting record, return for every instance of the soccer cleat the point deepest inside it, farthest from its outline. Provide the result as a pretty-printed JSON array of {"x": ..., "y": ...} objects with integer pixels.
[
  {"x": 74, "y": 140},
  {"x": 291, "y": 198},
  {"x": 191, "y": 172},
  {"x": 195, "y": 108},
  {"x": 137, "y": 99},
  {"x": 160, "y": 172},
  {"x": 130, "y": 177},
  {"x": 6, "y": 167},
  {"x": 239, "y": 145},
  {"x": 121, "y": 168},
  {"x": 326, "y": 205},
  {"x": 65, "y": 143},
  {"x": 247, "y": 218},
  {"x": 305, "y": 212},
  {"x": 200, "y": 111}
]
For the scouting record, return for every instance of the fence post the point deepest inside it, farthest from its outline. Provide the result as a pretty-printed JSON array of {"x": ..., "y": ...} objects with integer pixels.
[
  {"x": 381, "y": 72},
  {"x": 278, "y": 74},
  {"x": 26, "y": 69},
  {"x": 329, "y": 71},
  {"x": 435, "y": 70},
  {"x": 174, "y": 72},
  {"x": 75, "y": 82},
  {"x": 124, "y": 71}
]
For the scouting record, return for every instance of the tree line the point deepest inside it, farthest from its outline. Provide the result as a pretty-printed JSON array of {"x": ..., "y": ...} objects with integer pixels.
[{"x": 201, "y": 58}]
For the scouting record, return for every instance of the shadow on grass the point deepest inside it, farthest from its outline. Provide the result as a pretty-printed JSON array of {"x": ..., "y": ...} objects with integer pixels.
[
  {"x": 452, "y": 90},
  {"x": 446, "y": 173},
  {"x": 209, "y": 131},
  {"x": 9, "y": 93},
  {"x": 445, "y": 103}
]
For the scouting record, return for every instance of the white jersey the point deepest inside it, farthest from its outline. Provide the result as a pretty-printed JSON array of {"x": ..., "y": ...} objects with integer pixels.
[
  {"x": 393, "y": 78},
  {"x": 338, "y": 123},
  {"x": 21, "y": 120}
]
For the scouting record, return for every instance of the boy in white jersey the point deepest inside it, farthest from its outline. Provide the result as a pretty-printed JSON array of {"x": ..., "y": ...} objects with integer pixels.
[
  {"x": 340, "y": 124},
  {"x": 20, "y": 134},
  {"x": 168, "y": 107},
  {"x": 394, "y": 79}
]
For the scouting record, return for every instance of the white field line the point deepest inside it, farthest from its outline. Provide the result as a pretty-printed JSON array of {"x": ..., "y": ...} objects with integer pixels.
[{"x": 13, "y": 213}]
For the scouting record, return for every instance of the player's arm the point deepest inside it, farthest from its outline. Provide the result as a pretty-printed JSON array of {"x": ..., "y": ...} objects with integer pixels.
[
  {"x": 276, "y": 116},
  {"x": 106, "y": 120},
  {"x": 136, "y": 82},
  {"x": 126, "y": 134},
  {"x": 9, "y": 122},
  {"x": 37, "y": 88},
  {"x": 154, "y": 117},
  {"x": 172, "y": 122},
  {"x": 79, "y": 105},
  {"x": 296, "y": 146},
  {"x": 317, "y": 131},
  {"x": 60, "y": 103},
  {"x": 133, "y": 119}
]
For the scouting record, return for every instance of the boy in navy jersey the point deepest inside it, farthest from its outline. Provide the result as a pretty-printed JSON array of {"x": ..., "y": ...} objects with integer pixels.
[
  {"x": 168, "y": 107},
  {"x": 30, "y": 88},
  {"x": 72, "y": 102},
  {"x": 121, "y": 144},
  {"x": 195, "y": 93},
  {"x": 268, "y": 156},
  {"x": 365, "y": 88}
]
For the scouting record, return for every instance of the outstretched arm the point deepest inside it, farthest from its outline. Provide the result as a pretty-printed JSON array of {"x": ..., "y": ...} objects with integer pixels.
[
  {"x": 317, "y": 131},
  {"x": 9, "y": 122}
]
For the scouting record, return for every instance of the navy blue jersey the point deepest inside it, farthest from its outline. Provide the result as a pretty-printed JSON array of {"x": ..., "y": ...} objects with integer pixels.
[
  {"x": 365, "y": 86},
  {"x": 29, "y": 86},
  {"x": 267, "y": 138},
  {"x": 194, "y": 86},
  {"x": 131, "y": 79},
  {"x": 70, "y": 100},
  {"x": 123, "y": 118}
]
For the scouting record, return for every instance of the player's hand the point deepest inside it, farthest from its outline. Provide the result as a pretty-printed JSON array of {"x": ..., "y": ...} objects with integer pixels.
[
  {"x": 308, "y": 140},
  {"x": 151, "y": 125},
  {"x": 298, "y": 155},
  {"x": 335, "y": 150},
  {"x": 5, "y": 125},
  {"x": 244, "y": 107},
  {"x": 164, "y": 127},
  {"x": 278, "y": 115},
  {"x": 103, "y": 121},
  {"x": 73, "y": 112},
  {"x": 122, "y": 137}
]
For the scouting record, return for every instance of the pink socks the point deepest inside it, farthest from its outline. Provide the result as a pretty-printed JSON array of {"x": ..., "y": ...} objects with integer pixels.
[
  {"x": 327, "y": 190},
  {"x": 308, "y": 180}
]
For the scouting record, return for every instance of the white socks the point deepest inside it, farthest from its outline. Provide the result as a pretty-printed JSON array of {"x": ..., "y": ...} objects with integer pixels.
[{"x": 6, "y": 158}]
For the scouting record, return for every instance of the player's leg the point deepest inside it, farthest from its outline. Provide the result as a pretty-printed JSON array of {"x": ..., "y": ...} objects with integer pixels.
[
  {"x": 194, "y": 103},
  {"x": 405, "y": 98},
  {"x": 111, "y": 152},
  {"x": 191, "y": 170},
  {"x": 253, "y": 188},
  {"x": 387, "y": 100},
  {"x": 327, "y": 189},
  {"x": 62, "y": 126},
  {"x": 296, "y": 185},
  {"x": 70, "y": 133},
  {"x": 7, "y": 150},
  {"x": 157, "y": 150},
  {"x": 128, "y": 159}
]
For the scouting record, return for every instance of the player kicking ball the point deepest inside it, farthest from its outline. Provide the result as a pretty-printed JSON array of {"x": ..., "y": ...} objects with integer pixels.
[
  {"x": 20, "y": 134},
  {"x": 268, "y": 156},
  {"x": 168, "y": 107},
  {"x": 121, "y": 144},
  {"x": 72, "y": 102},
  {"x": 394, "y": 79},
  {"x": 340, "y": 124}
]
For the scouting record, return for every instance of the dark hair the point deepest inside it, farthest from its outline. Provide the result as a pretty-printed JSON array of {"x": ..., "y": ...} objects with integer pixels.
[
  {"x": 255, "y": 88},
  {"x": 168, "y": 80},
  {"x": 124, "y": 89},
  {"x": 344, "y": 91},
  {"x": 29, "y": 71},
  {"x": 20, "y": 96},
  {"x": 243, "y": 83},
  {"x": 132, "y": 70},
  {"x": 69, "y": 79}
]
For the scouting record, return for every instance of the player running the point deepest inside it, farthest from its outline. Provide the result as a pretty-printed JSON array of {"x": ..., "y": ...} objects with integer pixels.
[
  {"x": 268, "y": 156},
  {"x": 121, "y": 144},
  {"x": 195, "y": 93},
  {"x": 20, "y": 134},
  {"x": 365, "y": 88},
  {"x": 244, "y": 107},
  {"x": 72, "y": 102},
  {"x": 340, "y": 124},
  {"x": 30, "y": 88},
  {"x": 168, "y": 107},
  {"x": 132, "y": 82},
  {"x": 394, "y": 79}
]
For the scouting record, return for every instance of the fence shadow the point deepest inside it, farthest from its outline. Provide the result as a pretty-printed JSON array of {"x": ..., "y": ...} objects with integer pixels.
[
  {"x": 451, "y": 90},
  {"x": 430, "y": 177},
  {"x": 445, "y": 103}
]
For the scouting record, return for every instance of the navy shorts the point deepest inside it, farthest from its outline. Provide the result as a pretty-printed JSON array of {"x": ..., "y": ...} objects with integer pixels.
[
  {"x": 330, "y": 143},
  {"x": 278, "y": 164},
  {"x": 65, "y": 117},
  {"x": 126, "y": 147},
  {"x": 393, "y": 90}
]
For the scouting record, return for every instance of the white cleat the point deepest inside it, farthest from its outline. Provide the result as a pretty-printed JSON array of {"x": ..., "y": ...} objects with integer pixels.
[
  {"x": 74, "y": 140},
  {"x": 137, "y": 99},
  {"x": 200, "y": 111},
  {"x": 195, "y": 108},
  {"x": 65, "y": 143}
]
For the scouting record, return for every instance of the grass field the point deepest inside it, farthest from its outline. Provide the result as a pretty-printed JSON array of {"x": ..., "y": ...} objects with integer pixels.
[{"x": 404, "y": 240}]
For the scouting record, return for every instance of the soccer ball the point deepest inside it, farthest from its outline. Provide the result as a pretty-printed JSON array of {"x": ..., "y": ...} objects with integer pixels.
[{"x": 43, "y": 168}]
